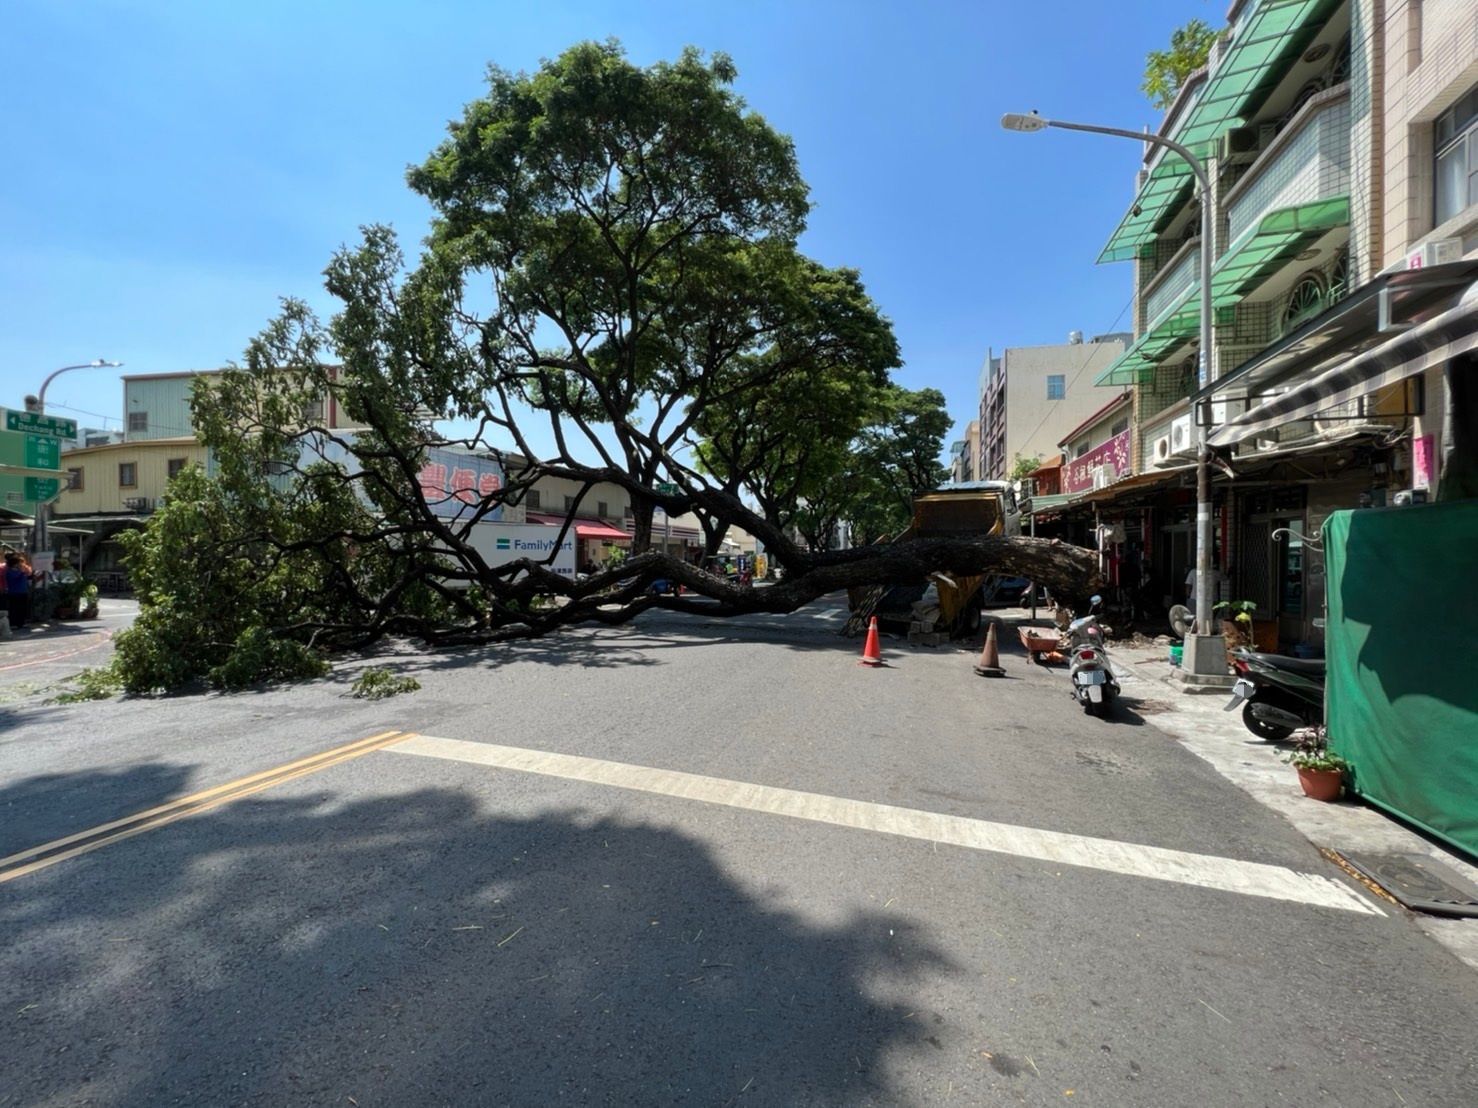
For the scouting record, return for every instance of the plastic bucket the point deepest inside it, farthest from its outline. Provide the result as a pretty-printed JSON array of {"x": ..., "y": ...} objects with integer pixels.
[{"x": 1176, "y": 653}]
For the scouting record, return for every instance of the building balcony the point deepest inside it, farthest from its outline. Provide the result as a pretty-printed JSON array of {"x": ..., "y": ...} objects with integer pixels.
[
  {"x": 1309, "y": 160},
  {"x": 1170, "y": 285}
]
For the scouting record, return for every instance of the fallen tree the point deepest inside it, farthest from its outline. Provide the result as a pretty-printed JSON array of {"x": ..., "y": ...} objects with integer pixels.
[{"x": 611, "y": 292}]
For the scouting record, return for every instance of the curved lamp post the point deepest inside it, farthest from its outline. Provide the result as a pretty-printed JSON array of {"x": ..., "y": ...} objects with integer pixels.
[
  {"x": 38, "y": 533},
  {"x": 1013, "y": 121}
]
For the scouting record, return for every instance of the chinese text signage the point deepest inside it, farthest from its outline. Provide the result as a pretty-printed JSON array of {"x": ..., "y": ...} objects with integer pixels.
[{"x": 1113, "y": 455}]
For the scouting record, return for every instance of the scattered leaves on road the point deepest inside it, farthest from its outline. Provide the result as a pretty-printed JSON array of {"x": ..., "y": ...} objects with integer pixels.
[{"x": 378, "y": 682}]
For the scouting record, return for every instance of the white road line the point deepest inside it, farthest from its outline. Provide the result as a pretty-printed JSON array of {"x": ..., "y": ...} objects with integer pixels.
[{"x": 1129, "y": 859}]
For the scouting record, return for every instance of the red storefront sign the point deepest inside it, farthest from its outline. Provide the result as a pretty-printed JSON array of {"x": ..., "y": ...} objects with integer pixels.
[{"x": 1113, "y": 456}]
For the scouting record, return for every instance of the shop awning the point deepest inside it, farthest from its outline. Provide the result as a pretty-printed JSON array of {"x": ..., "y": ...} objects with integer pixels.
[
  {"x": 1253, "y": 258},
  {"x": 1423, "y": 347},
  {"x": 1252, "y": 63},
  {"x": 1346, "y": 328},
  {"x": 1051, "y": 502},
  {"x": 594, "y": 529}
]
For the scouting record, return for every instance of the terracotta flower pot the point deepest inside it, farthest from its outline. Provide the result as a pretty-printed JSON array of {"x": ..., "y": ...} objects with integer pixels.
[{"x": 1321, "y": 784}]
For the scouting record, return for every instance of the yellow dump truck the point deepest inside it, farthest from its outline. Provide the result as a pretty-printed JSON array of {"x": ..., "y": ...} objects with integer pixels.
[{"x": 970, "y": 510}]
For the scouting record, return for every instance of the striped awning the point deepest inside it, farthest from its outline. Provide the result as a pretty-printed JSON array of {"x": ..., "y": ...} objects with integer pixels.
[{"x": 1426, "y": 346}]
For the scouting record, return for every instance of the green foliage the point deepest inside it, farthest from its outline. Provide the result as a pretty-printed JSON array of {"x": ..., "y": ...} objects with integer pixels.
[
  {"x": 1165, "y": 71},
  {"x": 1239, "y": 610},
  {"x": 1312, "y": 752},
  {"x": 99, "y": 683},
  {"x": 260, "y": 655},
  {"x": 378, "y": 683},
  {"x": 1023, "y": 467},
  {"x": 894, "y": 458},
  {"x": 216, "y": 601}
]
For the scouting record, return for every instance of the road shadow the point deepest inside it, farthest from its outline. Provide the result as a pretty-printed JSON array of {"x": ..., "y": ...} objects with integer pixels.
[
  {"x": 38, "y": 809},
  {"x": 415, "y": 949}
]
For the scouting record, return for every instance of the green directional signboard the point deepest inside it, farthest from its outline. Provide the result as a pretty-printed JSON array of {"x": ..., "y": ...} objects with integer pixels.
[
  {"x": 21, "y": 494},
  {"x": 33, "y": 423},
  {"x": 31, "y": 458},
  {"x": 30, "y": 451},
  {"x": 667, "y": 488}
]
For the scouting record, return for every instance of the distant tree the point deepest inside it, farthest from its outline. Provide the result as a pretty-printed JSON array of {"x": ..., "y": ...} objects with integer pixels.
[
  {"x": 1022, "y": 466},
  {"x": 1165, "y": 71}
]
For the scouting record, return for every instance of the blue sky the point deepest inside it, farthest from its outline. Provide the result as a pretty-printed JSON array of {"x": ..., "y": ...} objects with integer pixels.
[{"x": 174, "y": 168}]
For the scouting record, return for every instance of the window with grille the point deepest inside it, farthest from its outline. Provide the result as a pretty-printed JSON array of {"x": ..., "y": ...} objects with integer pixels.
[
  {"x": 313, "y": 411},
  {"x": 1455, "y": 139},
  {"x": 1119, "y": 427},
  {"x": 128, "y": 475},
  {"x": 174, "y": 465},
  {"x": 1056, "y": 386},
  {"x": 74, "y": 479},
  {"x": 138, "y": 421},
  {"x": 531, "y": 500}
]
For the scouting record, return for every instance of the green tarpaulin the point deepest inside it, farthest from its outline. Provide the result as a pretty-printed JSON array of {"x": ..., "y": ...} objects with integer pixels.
[{"x": 1402, "y": 698}]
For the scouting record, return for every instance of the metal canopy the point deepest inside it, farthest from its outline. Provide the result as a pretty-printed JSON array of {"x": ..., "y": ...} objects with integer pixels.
[
  {"x": 1252, "y": 64},
  {"x": 1430, "y": 344},
  {"x": 1136, "y": 364},
  {"x": 1265, "y": 249},
  {"x": 1346, "y": 328},
  {"x": 1257, "y": 255}
]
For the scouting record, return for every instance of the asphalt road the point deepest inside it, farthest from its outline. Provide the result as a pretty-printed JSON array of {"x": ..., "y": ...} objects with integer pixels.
[{"x": 688, "y": 863}]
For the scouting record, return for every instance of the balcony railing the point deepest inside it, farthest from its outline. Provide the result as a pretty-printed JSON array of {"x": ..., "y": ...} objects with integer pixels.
[
  {"x": 1309, "y": 160},
  {"x": 1171, "y": 284}
]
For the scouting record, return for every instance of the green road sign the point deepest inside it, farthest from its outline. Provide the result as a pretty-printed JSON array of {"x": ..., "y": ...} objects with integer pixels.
[
  {"x": 34, "y": 424},
  {"x": 30, "y": 451},
  {"x": 20, "y": 494},
  {"x": 667, "y": 488}
]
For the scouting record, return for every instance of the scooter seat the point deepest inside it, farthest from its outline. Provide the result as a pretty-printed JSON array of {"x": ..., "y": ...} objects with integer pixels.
[{"x": 1310, "y": 666}]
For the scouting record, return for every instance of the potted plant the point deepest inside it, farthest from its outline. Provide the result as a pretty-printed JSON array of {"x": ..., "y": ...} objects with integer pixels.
[
  {"x": 1320, "y": 771},
  {"x": 1236, "y": 623}
]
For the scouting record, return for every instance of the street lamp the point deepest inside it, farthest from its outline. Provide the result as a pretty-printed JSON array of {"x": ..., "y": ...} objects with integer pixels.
[
  {"x": 38, "y": 533},
  {"x": 1200, "y": 660}
]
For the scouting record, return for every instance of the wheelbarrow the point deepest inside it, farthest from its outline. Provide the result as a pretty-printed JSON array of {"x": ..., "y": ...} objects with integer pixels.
[{"x": 1039, "y": 641}]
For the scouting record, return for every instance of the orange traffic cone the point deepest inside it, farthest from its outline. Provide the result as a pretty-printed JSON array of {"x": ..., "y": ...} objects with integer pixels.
[
  {"x": 872, "y": 654},
  {"x": 990, "y": 657}
]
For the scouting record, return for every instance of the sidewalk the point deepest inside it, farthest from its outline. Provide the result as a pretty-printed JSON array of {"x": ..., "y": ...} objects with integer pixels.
[
  {"x": 1255, "y": 766},
  {"x": 36, "y": 651}
]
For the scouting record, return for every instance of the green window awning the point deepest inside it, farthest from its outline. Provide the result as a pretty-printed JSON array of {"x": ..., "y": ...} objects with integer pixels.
[
  {"x": 1269, "y": 246},
  {"x": 1251, "y": 66},
  {"x": 1257, "y": 255}
]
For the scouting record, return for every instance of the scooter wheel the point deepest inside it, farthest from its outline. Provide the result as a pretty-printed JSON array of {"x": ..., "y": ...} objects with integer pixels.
[{"x": 1272, "y": 732}]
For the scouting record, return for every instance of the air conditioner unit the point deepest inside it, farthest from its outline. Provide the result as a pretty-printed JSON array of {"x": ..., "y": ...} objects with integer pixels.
[
  {"x": 1161, "y": 453},
  {"x": 137, "y": 503},
  {"x": 1266, "y": 133},
  {"x": 1437, "y": 252},
  {"x": 1240, "y": 146},
  {"x": 1182, "y": 438}
]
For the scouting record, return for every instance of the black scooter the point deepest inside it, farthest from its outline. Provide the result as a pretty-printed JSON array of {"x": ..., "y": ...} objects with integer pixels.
[{"x": 1279, "y": 694}]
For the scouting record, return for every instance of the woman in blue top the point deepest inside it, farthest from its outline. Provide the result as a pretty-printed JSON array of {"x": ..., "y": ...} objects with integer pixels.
[{"x": 17, "y": 590}]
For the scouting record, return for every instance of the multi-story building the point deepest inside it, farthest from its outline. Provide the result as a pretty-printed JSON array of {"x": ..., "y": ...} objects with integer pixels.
[
  {"x": 1031, "y": 395},
  {"x": 964, "y": 455},
  {"x": 1332, "y": 131}
]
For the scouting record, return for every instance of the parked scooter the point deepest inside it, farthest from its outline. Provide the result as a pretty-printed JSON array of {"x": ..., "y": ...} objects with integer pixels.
[
  {"x": 1092, "y": 678},
  {"x": 1279, "y": 695}
]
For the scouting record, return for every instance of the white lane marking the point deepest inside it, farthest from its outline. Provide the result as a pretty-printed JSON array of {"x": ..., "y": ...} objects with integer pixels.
[{"x": 1129, "y": 859}]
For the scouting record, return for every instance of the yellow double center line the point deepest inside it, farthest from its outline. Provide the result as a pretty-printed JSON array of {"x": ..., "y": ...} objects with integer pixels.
[{"x": 59, "y": 850}]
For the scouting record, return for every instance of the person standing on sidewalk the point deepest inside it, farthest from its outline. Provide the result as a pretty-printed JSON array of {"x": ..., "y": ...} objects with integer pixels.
[{"x": 17, "y": 590}]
